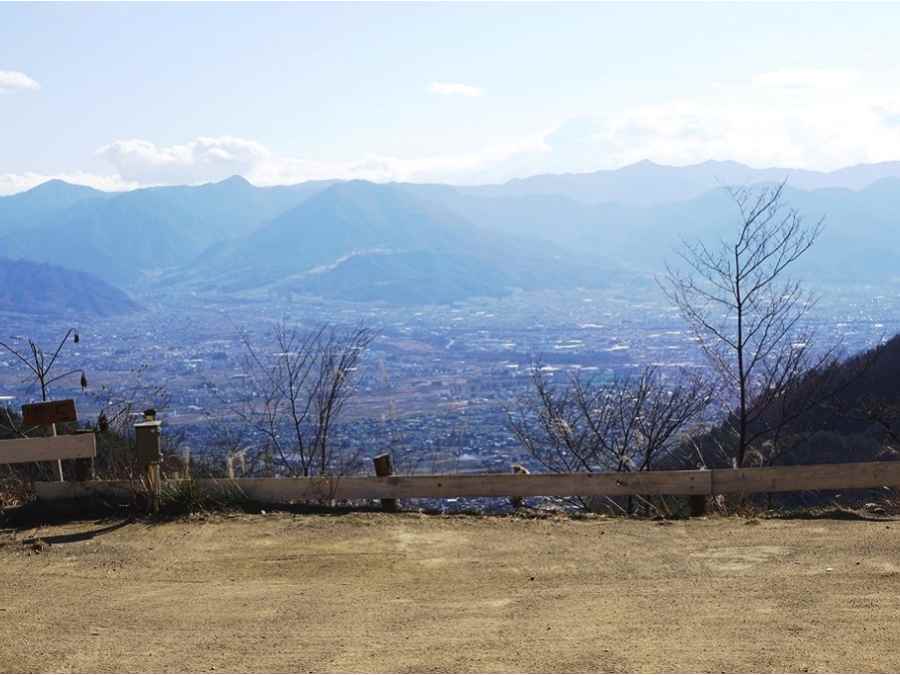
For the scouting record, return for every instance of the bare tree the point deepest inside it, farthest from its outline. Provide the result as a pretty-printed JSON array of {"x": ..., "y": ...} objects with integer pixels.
[
  {"x": 41, "y": 371},
  {"x": 624, "y": 424},
  {"x": 747, "y": 314},
  {"x": 40, "y": 364},
  {"x": 299, "y": 391},
  {"x": 40, "y": 367}
]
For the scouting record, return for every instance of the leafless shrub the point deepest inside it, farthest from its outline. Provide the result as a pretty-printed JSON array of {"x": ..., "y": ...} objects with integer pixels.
[
  {"x": 624, "y": 424},
  {"x": 298, "y": 392},
  {"x": 40, "y": 364}
]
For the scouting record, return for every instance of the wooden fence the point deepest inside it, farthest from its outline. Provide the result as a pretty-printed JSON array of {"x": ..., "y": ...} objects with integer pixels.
[
  {"x": 51, "y": 448},
  {"x": 690, "y": 483}
]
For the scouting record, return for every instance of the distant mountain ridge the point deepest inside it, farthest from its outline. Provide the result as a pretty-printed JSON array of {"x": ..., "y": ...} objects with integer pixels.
[
  {"x": 642, "y": 183},
  {"x": 123, "y": 235},
  {"x": 26, "y": 210},
  {"x": 649, "y": 184},
  {"x": 418, "y": 243}
]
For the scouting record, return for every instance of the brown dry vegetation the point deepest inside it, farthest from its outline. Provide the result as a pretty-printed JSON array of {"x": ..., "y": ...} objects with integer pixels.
[{"x": 408, "y": 592}]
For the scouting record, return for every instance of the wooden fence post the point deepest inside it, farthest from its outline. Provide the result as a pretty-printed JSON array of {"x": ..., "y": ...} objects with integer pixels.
[
  {"x": 153, "y": 479},
  {"x": 697, "y": 504},
  {"x": 518, "y": 502},
  {"x": 385, "y": 467},
  {"x": 84, "y": 469}
]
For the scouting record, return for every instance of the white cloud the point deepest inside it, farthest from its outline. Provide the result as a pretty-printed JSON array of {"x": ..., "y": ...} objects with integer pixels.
[
  {"x": 454, "y": 89},
  {"x": 142, "y": 163},
  {"x": 811, "y": 118},
  {"x": 202, "y": 159},
  {"x": 208, "y": 159},
  {"x": 13, "y": 80}
]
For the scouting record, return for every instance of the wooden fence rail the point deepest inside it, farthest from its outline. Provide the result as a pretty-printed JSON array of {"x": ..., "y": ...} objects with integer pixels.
[
  {"x": 51, "y": 448},
  {"x": 711, "y": 482}
]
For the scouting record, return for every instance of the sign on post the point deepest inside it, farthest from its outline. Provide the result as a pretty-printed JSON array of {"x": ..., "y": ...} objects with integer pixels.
[{"x": 49, "y": 412}]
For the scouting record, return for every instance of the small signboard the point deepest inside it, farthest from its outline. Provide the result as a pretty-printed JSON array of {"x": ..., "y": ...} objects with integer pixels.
[{"x": 48, "y": 412}]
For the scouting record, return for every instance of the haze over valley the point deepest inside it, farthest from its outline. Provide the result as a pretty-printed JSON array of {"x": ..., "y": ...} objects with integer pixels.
[
  {"x": 449, "y": 336},
  {"x": 466, "y": 286},
  {"x": 431, "y": 243},
  {"x": 483, "y": 194}
]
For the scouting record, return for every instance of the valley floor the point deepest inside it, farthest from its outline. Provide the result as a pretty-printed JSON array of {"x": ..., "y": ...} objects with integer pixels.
[{"x": 409, "y": 592}]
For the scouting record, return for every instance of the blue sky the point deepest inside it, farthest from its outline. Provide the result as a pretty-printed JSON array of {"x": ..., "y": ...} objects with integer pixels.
[{"x": 125, "y": 95}]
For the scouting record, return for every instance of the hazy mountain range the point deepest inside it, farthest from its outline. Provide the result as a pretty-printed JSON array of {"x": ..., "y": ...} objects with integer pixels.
[
  {"x": 648, "y": 184},
  {"x": 414, "y": 243}
]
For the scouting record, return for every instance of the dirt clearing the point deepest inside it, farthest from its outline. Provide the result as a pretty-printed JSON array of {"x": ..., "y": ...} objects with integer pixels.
[{"x": 373, "y": 592}]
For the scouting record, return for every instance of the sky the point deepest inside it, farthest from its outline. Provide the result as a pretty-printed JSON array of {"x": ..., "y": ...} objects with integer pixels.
[{"x": 120, "y": 96}]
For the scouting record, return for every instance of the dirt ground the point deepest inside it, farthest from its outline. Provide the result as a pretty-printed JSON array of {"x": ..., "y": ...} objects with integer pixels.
[{"x": 409, "y": 592}]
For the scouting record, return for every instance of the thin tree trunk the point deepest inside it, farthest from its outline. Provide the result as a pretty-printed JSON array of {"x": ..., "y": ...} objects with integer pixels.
[{"x": 742, "y": 380}]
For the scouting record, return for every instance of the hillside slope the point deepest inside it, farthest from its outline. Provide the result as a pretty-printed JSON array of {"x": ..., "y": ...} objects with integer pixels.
[
  {"x": 127, "y": 236},
  {"x": 363, "y": 241},
  {"x": 35, "y": 288},
  {"x": 846, "y": 412},
  {"x": 33, "y": 208}
]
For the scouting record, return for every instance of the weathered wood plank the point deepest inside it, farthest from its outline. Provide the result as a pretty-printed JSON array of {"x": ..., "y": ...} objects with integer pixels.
[
  {"x": 809, "y": 477},
  {"x": 718, "y": 481},
  {"x": 476, "y": 485},
  {"x": 75, "y": 446},
  {"x": 288, "y": 490}
]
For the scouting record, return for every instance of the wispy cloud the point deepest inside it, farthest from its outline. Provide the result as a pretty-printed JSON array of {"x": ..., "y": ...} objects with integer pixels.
[
  {"x": 13, "y": 80},
  {"x": 142, "y": 163},
  {"x": 791, "y": 119},
  {"x": 201, "y": 159},
  {"x": 206, "y": 159},
  {"x": 798, "y": 118},
  {"x": 454, "y": 89}
]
